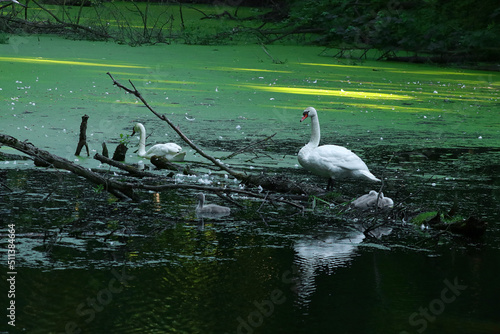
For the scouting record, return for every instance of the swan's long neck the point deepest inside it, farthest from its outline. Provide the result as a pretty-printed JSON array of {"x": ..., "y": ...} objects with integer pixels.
[
  {"x": 315, "y": 132},
  {"x": 201, "y": 201},
  {"x": 142, "y": 140}
]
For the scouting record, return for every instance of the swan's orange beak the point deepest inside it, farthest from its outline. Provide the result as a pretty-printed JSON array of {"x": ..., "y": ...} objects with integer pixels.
[{"x": 304, "y": 117}]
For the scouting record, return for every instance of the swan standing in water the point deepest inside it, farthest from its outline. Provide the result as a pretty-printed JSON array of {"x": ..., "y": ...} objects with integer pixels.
[
  {"x": 210, "y": 210},
  {"x": 170, "y": 151},
  {"x": 330, "y": 161},
  {"x": 373, "y": 199}
]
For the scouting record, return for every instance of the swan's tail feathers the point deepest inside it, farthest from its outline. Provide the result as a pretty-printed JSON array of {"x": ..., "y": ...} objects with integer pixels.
[
  {"x": 178, "y": 157},
  {"x": 369, "y": 175}
]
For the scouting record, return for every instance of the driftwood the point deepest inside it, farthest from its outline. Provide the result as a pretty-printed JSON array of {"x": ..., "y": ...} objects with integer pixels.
[
  {"x": 119, "y": 189},
  {"x": 83, "y": 136},
  {"x": 163, "y": 163},
  {"x": 123, "y": 190},
  {"x": 130, "y": 169}
]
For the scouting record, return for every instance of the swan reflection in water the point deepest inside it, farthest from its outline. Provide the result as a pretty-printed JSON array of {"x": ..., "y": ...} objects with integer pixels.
[{"x": 325, "y": 254}]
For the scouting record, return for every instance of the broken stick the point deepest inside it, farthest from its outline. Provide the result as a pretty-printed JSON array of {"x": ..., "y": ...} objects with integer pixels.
[{"x": 83, "y": 136}]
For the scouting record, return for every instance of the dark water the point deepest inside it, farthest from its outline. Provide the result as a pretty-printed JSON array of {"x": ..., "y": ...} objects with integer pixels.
[{"x": 87, "y": 264}]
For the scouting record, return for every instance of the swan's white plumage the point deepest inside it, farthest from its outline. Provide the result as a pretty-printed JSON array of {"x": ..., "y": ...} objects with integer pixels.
[
  {"x": 331, "y": 161},
  {"x": 170, "y": 151},
  {"x": 372, "y": 200}
]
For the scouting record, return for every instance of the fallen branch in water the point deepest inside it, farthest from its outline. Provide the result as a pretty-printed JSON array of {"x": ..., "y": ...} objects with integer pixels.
[
  {"x": 246, "y": 148},
  {"x": 130, "y": 169},
  {"x": 119, "y": 189},
  {"x": 164, "y": 118},
  {"x": 122, "y": 190},
  {"x": 279, "y": 183}
]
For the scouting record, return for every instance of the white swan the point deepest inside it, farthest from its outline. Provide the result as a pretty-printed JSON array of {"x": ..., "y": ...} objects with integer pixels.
[
  {"x": 372, "y": 200},
  {"x": 210, "y": 210},
  {"x": 170, "y": 151},
  {"x": 330, "y": 161}
]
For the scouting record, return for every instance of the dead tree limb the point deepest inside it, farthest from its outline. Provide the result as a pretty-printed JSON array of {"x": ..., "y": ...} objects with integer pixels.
[
  {"x": 130, "y": 169},
  {"x": 164, "y": 118},
  {"x": 164, "y": 187},
  {"x": 248, "y": 147},
  {"x": 122, "y": 190},
  {"x": 277, "y": 184},
  {"x": 119, "y": 189},
  {"x": 75, "y": 27},
  {"x": 83, "y": 136}
]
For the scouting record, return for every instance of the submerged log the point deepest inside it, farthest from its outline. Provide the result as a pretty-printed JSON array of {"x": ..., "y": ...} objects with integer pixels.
[
  {"x": 119, "y": 189},
  {"x": 164, "y": 163},
  {"x": 131, "y": 169},
  {"x": 469, "y": 227},
  {"x": 281, "y": 184}
]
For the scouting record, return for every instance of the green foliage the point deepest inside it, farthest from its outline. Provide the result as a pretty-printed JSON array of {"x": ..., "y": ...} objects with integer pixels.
[
  {"x": 4, "y": 38},
  {"x": 124, "y": 139},
  {"x": 98, "y": 189},
  {"x": 447, "y": 28}
]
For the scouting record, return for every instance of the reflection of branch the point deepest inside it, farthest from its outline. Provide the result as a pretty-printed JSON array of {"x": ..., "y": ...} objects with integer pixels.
[{"x": 218, "y": 190}]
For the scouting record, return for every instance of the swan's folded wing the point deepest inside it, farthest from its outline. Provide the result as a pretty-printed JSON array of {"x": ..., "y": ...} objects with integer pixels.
[{"x": 340, "y": 157}]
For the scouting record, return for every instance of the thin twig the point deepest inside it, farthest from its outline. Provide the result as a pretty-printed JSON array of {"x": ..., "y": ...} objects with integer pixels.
[
  {"x": 164, "y": 118},
  {"x": 248, "y": 146}
]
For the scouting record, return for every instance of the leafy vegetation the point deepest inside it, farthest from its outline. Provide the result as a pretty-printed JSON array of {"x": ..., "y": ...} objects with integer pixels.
[
  {"x": 437, "y": 30},
  {"x": 450, "y": 29}
]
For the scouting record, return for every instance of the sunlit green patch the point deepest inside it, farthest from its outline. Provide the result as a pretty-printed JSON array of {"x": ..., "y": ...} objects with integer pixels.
[
  {"x": 40, "y": 60},
  {"x": 328, "y": 92},
  {"x": 231, "y": 69}
]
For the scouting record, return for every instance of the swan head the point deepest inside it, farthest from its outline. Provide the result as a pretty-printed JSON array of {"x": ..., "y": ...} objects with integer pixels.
[
  {"x": 137, "y": 128},
  {"x": 308, "y": 112},
  {"x": 201, "y": 198}
]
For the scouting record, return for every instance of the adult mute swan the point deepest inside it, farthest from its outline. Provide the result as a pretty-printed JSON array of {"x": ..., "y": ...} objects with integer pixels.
[
  {"x": 373, "y": 199},
  {"x": 210, "y": 210},
  {"x": 170, "y": 151},
  {"x": 331, "y": 161}
]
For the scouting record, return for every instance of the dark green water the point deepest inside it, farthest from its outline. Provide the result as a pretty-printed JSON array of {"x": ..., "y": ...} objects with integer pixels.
[{"x": 87, "y": 265}]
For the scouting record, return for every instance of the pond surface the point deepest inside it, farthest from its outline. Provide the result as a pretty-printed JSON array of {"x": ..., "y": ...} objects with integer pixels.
[{"x": 88, "y": 264}]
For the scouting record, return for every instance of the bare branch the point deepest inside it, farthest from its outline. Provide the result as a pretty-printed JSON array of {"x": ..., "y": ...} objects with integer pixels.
[{"x": 248, "y": 147}]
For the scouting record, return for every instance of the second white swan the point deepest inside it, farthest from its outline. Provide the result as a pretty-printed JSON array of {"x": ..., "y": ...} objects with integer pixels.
[
  {"x": 330, "y": 161},
  {"x": 170, "y": 151}
]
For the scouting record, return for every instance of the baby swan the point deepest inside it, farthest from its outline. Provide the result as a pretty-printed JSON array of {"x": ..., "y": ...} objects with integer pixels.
[
  {"x": 210, "y": 210},
  {"x": 372, "y": 200}
]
